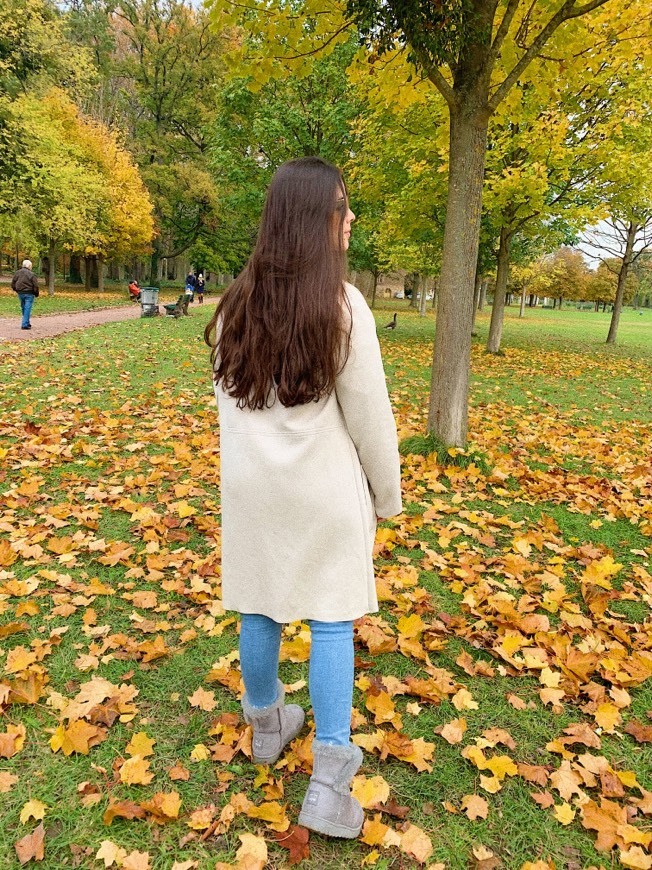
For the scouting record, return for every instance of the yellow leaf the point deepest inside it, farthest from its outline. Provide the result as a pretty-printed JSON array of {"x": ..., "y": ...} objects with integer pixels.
[
  {"x": 463, "y": 700},
  {"x": 200, "y": 753},
  {"x": 564, "y": 813},
  {"x": 490, "y": 783},
  {"x": 252, "y": 855},
  {"x": 135, "y": 771},
  {"x": 110, "y": 854},
  {"x": 18, "y": 659},
  {"x": 608, "y": 716},
  {"x": 411, "y": 626},
  {"x": 635, "y": 858},
  {"x": 370, "y": 791},
  {"x": 271, "y": 812},
  {"x": 140, "y": 744},
  {"x": 185, "y": 510},
  {"x": 33, "y": 809},
  {"x": 502, "y": 766}
]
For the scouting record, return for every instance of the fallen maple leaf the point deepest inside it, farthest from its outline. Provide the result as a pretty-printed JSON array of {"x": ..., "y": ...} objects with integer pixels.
[
  {"x": 135, "y": 771},
  {"x": 453, "y": 731},
  {"x": 33, "y": 809},
  {"x": 416, "y": 843},
  {"x": 203, "y": 699},
  {"x": 296, "y": 840},
  {"x": 475, "y": 807},
  {"x": 7, "y": 781},
  {"x": 136, "y": 861},
  {"x": 635, "y": 858},
  {"x": 641, "y": 733},
  {"x": 370, "y": 790},
  {"x": 123, "y": 810},
  {"x": 31, "y": 846},
  {"x": 140, "y": 744},
  {"x": 110, "y": 853}
]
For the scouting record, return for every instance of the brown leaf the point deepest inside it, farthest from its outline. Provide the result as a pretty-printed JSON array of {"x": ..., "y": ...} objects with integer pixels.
[
  {"x": 31, "y": 846},
  {"x": 296, "y": 840},
  {"x": 641, "y": 733},
  {"x": 123, "y": 810}
]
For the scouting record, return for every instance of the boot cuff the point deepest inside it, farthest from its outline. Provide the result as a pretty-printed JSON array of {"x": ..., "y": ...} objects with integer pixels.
[{"x": 253, "y": 713}]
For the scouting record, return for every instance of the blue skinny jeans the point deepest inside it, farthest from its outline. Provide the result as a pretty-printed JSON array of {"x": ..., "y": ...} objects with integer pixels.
[{"x": 330, "y": 675}]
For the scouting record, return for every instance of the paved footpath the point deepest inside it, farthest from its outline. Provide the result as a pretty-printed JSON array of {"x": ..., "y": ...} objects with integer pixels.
[{"x": 49, "y": 325}]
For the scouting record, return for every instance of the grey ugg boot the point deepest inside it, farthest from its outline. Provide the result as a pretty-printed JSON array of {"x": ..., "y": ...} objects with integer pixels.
[
  {"x": 328, "y": 807},
  {"x": 274, "y": 726}
]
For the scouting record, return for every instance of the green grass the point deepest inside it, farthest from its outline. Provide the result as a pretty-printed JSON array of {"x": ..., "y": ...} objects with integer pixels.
[{"x": 559, "y": 439}]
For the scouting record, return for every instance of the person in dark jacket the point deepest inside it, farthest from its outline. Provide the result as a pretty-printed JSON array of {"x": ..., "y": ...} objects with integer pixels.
[{"x": 25, "y": 283}]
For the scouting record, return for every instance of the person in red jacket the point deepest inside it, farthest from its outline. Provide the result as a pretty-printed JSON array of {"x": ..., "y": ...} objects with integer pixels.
[
  {"x": 25, "y": 284},
  {"x": 134, "y": 290}
]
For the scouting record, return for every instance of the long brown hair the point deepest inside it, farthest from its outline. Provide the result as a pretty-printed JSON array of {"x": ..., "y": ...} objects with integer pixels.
[{"x": 281, "y": 321}]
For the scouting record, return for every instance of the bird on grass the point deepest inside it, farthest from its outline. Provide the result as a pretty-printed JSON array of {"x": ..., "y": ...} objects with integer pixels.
[{"x": 391, "y": 324}]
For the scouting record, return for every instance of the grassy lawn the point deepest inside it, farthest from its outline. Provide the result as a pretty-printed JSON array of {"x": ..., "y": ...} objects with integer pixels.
[
  {"x": 503, "y": 694},
  {"x": 70, "y": 297}
]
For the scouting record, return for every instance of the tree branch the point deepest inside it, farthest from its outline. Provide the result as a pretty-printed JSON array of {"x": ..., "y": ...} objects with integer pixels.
[{"x": 566, "y": 12}]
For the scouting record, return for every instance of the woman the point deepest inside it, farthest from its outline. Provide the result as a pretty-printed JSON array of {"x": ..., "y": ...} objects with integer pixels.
[{"x": 309, "y": 459}]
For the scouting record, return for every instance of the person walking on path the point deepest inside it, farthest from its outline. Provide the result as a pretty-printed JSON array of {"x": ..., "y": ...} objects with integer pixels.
[
  {"x": 309, "y": 461},
  {"x": 191, "y": 283},
  {"x": 200, "y": 288},
  {"x": 25, "y": 283}
]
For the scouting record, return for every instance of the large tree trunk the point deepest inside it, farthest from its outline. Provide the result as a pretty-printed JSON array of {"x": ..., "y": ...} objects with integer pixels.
[
  {"x": 87, "y": 273},
  {"x": 153, "y": 265},
  {"x": 100, "y": 273},
  {"x": 632, "y": 229},
  {"x": 521, "y": 312},
  {"x": 498, "y": 308},
  {"x": 75, "y": 276},
  {"x": 52, "y": 266},
  {"x": 374, "y": 287},
  {"x": 448, "y": 414}
]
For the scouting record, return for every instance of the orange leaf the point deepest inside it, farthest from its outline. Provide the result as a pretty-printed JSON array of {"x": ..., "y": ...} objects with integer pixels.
[{"x": 296, "y": 840}]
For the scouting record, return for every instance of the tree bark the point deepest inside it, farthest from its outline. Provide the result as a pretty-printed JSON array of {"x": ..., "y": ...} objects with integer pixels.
[
  {"x": 374, "y": 287},
  {"x": 498, "y": 308},
  {"x": 521, "y": 312},
  {"x": 423, "y": 283},
  {"x": 100, "y": 273},
  {"x": 153, "y": 265},
  {"x": 477, "y": 292},
  {"x": 448, "y": 414},
  {"x": 52, "y": 266},
  {"x": 75, "y": 269},
  {"x": 632, "y": 229},
  {"x": 87, "y": 273},
  {"x": 483, "y": 294}
]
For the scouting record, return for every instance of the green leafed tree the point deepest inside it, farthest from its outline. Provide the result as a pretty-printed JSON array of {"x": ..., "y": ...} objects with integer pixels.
[{"x": 473, "y": 53}]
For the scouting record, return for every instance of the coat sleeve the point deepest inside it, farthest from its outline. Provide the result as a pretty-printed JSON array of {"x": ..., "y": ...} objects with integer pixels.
[{"x": 362, "y": 394}]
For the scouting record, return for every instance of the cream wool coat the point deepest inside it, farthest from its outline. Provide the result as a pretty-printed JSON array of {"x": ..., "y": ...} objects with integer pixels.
[{"x": 301, "y": 488}]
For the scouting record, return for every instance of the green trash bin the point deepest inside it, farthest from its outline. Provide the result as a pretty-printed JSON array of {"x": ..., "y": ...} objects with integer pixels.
[{"x": 149, "y": 301}]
